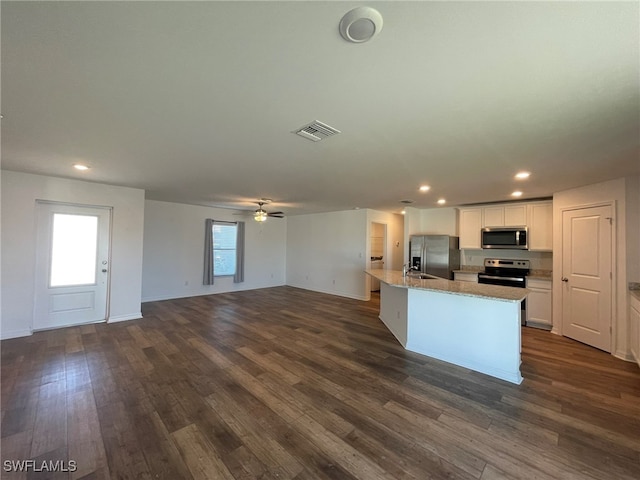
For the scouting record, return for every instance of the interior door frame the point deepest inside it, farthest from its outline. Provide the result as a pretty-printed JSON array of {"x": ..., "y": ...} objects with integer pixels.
[
  {"x": 558, "y": 326},
  {"x": 368, "y": 253},
  {"x": 38, "y": 232}
]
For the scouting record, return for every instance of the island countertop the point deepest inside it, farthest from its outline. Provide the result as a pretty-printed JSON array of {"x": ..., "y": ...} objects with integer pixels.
[{"x": 394, "y": 278}]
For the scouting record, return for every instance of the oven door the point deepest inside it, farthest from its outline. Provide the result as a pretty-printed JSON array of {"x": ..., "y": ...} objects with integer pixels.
[{"x": 503, "y": 281}]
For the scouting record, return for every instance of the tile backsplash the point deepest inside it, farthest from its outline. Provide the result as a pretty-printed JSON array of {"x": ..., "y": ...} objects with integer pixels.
[{"x": 539, "y": 260}]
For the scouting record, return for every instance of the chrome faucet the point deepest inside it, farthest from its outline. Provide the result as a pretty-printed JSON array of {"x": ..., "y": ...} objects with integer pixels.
[{"x": 406, "y": 268}]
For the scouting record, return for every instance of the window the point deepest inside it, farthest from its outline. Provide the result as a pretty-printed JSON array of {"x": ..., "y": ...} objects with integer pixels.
[
  {"x": 224, "y": 249},
  {"x": 74, "y": 250}
]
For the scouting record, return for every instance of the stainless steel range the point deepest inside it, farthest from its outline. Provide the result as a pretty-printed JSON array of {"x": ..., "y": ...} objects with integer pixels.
[{"x": 508, "y": 273}]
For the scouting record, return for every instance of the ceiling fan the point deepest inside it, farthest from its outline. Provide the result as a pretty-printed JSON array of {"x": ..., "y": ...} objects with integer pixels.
[{"x": 261, "y": 215}]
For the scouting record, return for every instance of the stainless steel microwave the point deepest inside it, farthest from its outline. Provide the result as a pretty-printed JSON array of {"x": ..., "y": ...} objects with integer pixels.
[{"x": 515, "y": 238}]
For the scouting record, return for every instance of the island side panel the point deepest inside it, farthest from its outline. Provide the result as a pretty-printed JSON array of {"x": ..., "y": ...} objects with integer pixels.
[
  {"x": 476, "y": 333},
  {"x": 393, "y": 311}
]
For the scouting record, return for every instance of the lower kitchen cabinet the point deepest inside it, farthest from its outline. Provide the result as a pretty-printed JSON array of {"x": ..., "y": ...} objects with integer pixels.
[
  {"x": 539, "y": 303},
  {"x": 634, "y": 327},
  {"x": 465, "y": 276}
]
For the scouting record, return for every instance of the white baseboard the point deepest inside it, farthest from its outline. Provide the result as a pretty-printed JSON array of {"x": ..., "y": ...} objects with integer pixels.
[
  {"x": 626, "y": 356},
  {"x": 539, "y": 325},
  {"x": 15, "y": 334},
  {"x": 461, "y": 361},
  {"x": 124, "y": 318}
]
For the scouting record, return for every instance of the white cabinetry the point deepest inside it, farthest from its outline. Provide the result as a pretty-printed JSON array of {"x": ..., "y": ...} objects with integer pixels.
[
  {"x": 515, "y": 215},
  {"x": 505, "y": 216},
  {"x": 634, "y": 327},
  {"x": 493, "y": 217},
  {"x": 465, "y": 276},
  {"x": 537, "y": 216},
  {"x": 539, "y": 303},
  {"x": 470, "y": 225},
  {"x": 540, "y": 226}
]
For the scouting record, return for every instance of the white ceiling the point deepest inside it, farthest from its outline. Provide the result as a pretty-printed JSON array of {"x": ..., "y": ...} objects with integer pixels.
[{"x": 195, "y": 102}]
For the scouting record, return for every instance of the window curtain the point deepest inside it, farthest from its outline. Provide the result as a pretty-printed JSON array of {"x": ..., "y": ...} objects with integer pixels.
[
  {"x": 239, "y": 276},
  {"x": 208, "y": 252}
]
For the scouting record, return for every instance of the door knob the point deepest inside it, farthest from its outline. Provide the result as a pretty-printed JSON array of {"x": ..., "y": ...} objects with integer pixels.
[{"x": 565, "y": 279}]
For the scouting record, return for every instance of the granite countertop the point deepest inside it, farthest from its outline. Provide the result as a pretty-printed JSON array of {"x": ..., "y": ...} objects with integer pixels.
[
  {"x": 394, "y": 278},
  {"x": 541, "y": 275}
]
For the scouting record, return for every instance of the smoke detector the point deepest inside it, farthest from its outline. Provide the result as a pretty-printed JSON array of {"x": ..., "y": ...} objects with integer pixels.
[
  {"x": 360, "y": 24},
  {"x": 316, "y": 131}
]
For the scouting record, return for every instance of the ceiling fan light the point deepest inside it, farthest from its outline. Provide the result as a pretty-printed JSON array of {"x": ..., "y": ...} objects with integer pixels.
[{"x": 260, "y": 216}]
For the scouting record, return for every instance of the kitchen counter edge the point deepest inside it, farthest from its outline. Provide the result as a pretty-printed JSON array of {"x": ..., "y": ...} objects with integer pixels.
[{"x": 394, "y": 278}]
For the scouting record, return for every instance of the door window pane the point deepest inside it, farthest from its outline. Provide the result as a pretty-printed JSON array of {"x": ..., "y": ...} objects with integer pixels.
[
  {"x": 224, "y": 250},
  {"x": 74, "y": 250}
]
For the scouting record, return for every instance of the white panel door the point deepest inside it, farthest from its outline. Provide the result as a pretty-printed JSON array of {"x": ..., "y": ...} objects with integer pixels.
[
  {"x": 587, "y": 276},
  {"x": 72, "y": 265}
]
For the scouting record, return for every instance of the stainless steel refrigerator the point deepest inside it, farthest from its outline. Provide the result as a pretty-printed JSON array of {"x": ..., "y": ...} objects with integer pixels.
[{"x": 434, "y": 254}]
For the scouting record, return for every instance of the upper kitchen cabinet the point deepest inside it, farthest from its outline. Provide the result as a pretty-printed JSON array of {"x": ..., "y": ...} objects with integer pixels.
[
  {"x": 505, "y": 216},
  {"x": 470, "y": 226},
  {"x": 537, "y": 216},
  {"x": 540, "y": 226}
]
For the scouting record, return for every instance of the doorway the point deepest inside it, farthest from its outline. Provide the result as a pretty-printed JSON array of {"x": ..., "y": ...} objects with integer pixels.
[
  {"x": 587, "y": 275},
  {"x": 72, "y": 265},
  {"x": 378, "y": 251}
]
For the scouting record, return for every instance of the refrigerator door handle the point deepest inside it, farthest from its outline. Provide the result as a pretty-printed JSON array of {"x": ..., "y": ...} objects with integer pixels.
[{"x": 423, "y": 266}]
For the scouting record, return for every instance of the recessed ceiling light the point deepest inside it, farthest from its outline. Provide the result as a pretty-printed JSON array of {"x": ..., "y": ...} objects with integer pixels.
[
  {"x": 81, "y": 167},
  {"x": 425, "y": 188},
  {"x": 442, "y": 201},
  {"x": 517, "y": 193},
  {"x": 403, "y": 212},
  {"x": 522, "y": 175}
]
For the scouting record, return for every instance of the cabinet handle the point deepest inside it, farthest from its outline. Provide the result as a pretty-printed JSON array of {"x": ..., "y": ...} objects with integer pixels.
[{"x": 565, "y": 279}]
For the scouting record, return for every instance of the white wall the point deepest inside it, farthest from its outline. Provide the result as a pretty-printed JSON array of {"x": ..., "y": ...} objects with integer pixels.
[
  {"x": 439, "y": 221},
  {"x": 327, "y": 252},
  {"x": 174, "y": 249},
  {"x": 19, "y": 194},
  {"x": 633, "y": 228},
  {"x": 432, "y": 221},
  {"x": 612, "y": 191},
  {"x": 395, "y": 237}
]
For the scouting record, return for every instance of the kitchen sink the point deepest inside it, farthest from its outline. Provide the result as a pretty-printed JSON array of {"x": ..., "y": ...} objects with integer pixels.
[{"x": 423, "y": 276}]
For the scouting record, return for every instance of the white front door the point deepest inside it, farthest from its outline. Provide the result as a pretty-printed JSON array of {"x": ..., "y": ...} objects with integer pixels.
[
  {"x": 72, "y": 265},
  {"x": 587, "y": 275}
]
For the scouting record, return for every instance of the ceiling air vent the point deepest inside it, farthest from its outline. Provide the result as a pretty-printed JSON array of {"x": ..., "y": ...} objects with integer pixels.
[{"x": 316, "y": 131}]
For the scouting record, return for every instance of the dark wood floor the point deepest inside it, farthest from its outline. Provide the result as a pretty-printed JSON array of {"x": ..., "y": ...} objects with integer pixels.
[{"x": 283, "y": 383}]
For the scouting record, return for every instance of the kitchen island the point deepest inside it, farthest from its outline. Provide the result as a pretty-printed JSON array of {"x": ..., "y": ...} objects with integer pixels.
[{"x": 472, "y": 325}]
